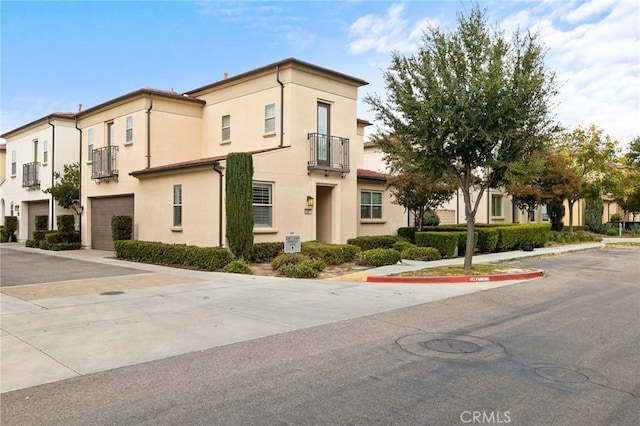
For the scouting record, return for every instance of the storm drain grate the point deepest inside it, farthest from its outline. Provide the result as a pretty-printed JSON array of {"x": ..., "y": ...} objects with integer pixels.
[
  {"x": 559, "y": 374},
  {"x": 111, "y": 293},
  {"x": 450, "y": 346}
]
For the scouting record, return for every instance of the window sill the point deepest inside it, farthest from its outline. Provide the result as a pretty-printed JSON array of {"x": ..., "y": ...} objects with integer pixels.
[
  {"x": 128, "y": 143},
  {"x": 176, "y": 229},
  {"x": 45, "y": 164},
  {"x": 265, "y": 231},
  {"x": 225, "y": 142},
  {"x": 497, "y": 217},
  {"x": 89, "y": 163},
  {"x": 269, "y": 135},
  {"x": 373, "y": 221},
  {"x": 13, "y": 176}
]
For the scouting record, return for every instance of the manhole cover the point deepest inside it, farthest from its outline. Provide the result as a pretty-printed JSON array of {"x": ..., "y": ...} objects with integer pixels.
[
  {"x": 559, "y": 374},
  {"x": 111, "y": 293},
  {"x": 450, "y": 346}
]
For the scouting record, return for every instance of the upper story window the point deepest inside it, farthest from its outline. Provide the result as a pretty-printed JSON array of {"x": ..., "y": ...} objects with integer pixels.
[
  {"x": 111, "y": 136},
  {"x": 14, "y": 162},
  {"x": 35, "y": 150},
  {"x": 262, "y": 205},
  {"x": 45, "y": 152},
  {"x": 370, "y": 205},
  {"x": 226, "y": 128},
  {"x": 177, "y": 205},
  {"x": 496, "y": 205},
  {"x": 90, "y": 145},
  {"x": 270, "y": 118},
  {"x": 129, "y": 129}
]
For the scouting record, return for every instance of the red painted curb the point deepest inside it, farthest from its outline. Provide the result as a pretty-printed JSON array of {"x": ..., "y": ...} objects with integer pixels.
[{"x": 456, "y": 279}]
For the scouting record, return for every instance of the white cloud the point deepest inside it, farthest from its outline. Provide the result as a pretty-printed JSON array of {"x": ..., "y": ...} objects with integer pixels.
[{"x": 384, "y": 33}]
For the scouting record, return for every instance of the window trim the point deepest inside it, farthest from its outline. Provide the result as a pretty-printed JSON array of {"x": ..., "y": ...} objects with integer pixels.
[
  {"x": 227, "y": 128},
  {"x": 371, "y": 205},
  {"x": 89, "y": 146},
  {"x": 45, "y": 152},
  {"x": 493, "y": 205},
  {"x": 111, "y": 134},
  {"x": 129, "y": 129},
  {"x": 36, "y": 145},
  {"x": 177, "y": 204},
  {"x": 262, "y": 227},
  {"x": 14, "y": 163},
  {"x": 270, "y": 119}
]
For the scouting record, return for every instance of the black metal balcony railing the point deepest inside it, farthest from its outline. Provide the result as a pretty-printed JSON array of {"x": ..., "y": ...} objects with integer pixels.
[
  {"x": 103, "y": 162},
  {"x": 328, "y": 153},
  {"x": 30, "y": 175}
]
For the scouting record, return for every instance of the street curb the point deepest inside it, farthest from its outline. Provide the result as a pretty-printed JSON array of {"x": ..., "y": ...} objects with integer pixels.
[{"x": 456, "y": 279}]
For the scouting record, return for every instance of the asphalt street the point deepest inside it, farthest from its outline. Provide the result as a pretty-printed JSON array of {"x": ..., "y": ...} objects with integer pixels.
[{"x": 562, "y": 350}]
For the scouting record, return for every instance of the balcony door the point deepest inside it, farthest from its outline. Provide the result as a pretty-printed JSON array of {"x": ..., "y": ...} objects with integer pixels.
[{"x": 324, "y": 132}]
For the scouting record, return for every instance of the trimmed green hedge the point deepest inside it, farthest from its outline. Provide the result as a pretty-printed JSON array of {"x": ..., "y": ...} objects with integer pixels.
[
  {"x": 42, "y": 223},
  {"x": 237, "y": 267},
  {"x": 369, "y": 242},
  {"x": 205, "y": 258},
  {"x": 9, "y": 229},
  {"x": 331, "y": 254},
  {"x": 121, "y": 227},
  {"x": 408, "y": 233},
  {"x": 487, "y": 239},
  {"x": 266, "y": 252},
  {"x": 284, "y": 259},
  {"x": 444, "y": 242},
  {"x": 378, "y": 257},
  {"x": 420, "y": 253}
]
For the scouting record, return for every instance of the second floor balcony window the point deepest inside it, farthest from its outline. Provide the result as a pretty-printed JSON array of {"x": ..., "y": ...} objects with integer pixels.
[
  {"x": 103, "y": 163},
  {"x": 30, "y": 175},
  {"x": 328, "y": 153}
]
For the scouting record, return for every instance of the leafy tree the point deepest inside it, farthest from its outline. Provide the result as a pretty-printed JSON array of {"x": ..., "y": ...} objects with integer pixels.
[
  {"x": 66, "y": 187},
  {"x": 416, "y": 191},
  {"x": 239, "y": 204},
  {"x": 633, "y": 156},
  {"x": 626, "y": 180},
  {"x": 524, "y": 181},
  {"x": 467, "y": 104},
  {"x": 559, "y": 182},
  {"x": 592, "y": 155}
]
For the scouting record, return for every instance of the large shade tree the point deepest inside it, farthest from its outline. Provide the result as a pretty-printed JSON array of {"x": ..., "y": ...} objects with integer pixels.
[{"x": 466, "y": 104}]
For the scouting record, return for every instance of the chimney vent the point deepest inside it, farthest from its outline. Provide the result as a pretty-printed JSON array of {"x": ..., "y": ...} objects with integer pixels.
[
  {"x": 226, "y": 75},
  {"x": 79, "y": 107}
]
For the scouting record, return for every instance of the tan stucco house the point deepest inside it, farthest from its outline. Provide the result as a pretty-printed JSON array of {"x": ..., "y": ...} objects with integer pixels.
[{"x": 32, "y": 154}]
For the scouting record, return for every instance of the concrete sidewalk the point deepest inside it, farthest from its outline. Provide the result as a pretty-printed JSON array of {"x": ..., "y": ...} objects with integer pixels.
[{"x": 50, "y": 339}]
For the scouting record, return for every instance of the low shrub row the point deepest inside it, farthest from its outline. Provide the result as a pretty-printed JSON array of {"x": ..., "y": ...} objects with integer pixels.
[
  {"x": 573, "y": 237},
  {"x": 378, "y": 257},
  {"x": 206, "y": 258},
  {"x": 298, "y": 265},
  {"x": 331, "y": 254},
  {"x": 374, "y": 241}
]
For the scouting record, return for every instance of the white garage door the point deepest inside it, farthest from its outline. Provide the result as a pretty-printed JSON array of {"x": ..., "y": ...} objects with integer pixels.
[{"x": 102, "y": 209}]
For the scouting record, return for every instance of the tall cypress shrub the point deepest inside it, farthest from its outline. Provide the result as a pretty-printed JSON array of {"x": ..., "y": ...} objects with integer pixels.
[
  {"x": 594, "y": 207},
  {"x": 239, "y": 204}
]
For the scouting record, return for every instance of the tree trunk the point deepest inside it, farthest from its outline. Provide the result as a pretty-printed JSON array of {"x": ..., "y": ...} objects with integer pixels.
[{"x": 571, "y": 203}]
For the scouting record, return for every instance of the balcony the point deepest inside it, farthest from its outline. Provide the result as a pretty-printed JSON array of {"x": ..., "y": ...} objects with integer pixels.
[
  {"x": 328, "y": 153},
  {"x": 31, "y": 175},
  {"x": 103, "y": 163}
]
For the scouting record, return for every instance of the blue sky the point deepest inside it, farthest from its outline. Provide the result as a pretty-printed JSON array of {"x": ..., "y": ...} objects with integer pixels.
[{"x": 56, "y": 55}]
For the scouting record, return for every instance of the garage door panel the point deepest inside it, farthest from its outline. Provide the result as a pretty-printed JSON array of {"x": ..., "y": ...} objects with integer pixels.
[{"x": 102, "y": 209}]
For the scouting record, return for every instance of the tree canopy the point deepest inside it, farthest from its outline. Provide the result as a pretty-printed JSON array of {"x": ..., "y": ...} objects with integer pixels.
[
  {"x": 66, "y": 187},
  {"x": 466, "y": 104}
]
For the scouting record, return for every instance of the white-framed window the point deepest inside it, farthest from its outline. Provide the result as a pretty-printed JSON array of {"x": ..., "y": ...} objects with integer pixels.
[
  {"x": 532, "y": 216},
  {"x": 111, "y": 136},
  {"x": 496, "y": 205},
  {"x": 270, "y": 118},
  {"x": 35, "y": 150},
  {"x": 262, "y": 205},
  {"x": 177, "y": 205},
  {"x": 90, "y": 145},
  {"x": 45, "y": 152},
  {"x": 129, "y": 128},
  {"x": 14, "y": 162},
  {"x": 226, "y": 128},
  {"x": 544, "y": 214},
  {"x": 370, "y": 205}
]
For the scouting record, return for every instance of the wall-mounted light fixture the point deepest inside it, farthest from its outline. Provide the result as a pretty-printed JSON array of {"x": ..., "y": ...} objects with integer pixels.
[{"x": 310, "y": 201}]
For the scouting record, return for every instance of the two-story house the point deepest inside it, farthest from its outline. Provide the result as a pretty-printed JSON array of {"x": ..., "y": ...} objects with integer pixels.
[
  {"x": 34, "y": 152},
  {"x": 160, "y": 156}
]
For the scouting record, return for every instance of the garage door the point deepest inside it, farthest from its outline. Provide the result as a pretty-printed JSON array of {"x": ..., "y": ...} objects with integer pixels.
[
  {"x": 102, "y": 209},
  {"x": 36, "y": 208}
]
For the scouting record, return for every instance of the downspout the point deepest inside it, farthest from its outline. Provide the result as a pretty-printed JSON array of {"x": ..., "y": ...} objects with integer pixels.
[
  {"x": 488, "y": 207},
  {"x": 53, "y": 167},
  {"x": 457, "y": 206},
  {"x": 149, "y": 132},
  {"x": 215, "y": 167},
  {"x": 80, "y": 208},
  {"x": 281, "y": 105}
]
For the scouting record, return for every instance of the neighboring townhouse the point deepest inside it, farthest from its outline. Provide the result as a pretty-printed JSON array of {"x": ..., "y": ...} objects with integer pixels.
[
  {"x": 161, "y": 156},
  {"x": 495, "y": 205},
  {"x": 33, "y": 153}
]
